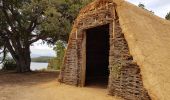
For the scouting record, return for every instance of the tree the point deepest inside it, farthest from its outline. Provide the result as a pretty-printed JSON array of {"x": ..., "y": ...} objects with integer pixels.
[
  {"x": 3, "y": 52},
  {"x": 69, "y": 10},
  {"x": 56, "y": 62},
  {"x": 24, "y": 22},
  {"x": 167, "y": 16},
  {"x": 141, "y": 5},
  {"x": 59, "y": 49}
]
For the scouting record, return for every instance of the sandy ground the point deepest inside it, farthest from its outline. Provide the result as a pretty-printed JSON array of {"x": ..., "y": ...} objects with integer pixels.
[{"x": 44, "y": 86}]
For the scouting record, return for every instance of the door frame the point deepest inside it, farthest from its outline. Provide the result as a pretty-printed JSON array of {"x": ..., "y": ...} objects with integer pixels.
[{"x": 83, "y": 66}]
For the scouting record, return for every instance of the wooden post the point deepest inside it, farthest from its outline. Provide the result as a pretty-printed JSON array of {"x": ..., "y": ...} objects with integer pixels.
[{"x": 83, "y": 67}]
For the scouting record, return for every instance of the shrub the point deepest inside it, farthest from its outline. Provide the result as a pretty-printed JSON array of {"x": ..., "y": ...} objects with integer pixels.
[
  {"x": 54, "y": 64},
  {"x": 9, "y": 64},
  {"x": 167, "y": 16}
]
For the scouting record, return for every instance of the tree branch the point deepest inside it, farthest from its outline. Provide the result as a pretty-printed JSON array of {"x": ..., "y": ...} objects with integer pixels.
[
  {"x": 15, "y": 18},
  {"x": 8, "y": 45},
  {"x": 9, "y": 21},
  {"x": 38, "y": 37},
  {"x": 33, "y": 23},
  {"x": 4, "y": 55}
]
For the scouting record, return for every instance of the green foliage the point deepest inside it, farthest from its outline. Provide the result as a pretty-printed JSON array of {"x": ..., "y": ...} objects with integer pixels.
[
  {"x": 69, "y": 10},
  {"x": 141, "y": 5},
  {"x": 167, "y": 16},
  {"x": 9, "y": 64},
  {"x": 56, "y": 63},
  {"x": 23, "y": 22},
  {"x": 59, "y": 48}
]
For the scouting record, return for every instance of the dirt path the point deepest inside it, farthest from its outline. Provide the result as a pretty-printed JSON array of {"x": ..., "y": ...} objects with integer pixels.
[{"x": 44, "y": 86}]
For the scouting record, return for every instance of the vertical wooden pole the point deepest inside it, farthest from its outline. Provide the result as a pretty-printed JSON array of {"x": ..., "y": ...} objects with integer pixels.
[{"x": 83, "y": 69}]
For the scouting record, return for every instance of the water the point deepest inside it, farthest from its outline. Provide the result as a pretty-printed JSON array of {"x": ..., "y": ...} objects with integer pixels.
[
  {"x": 38, "y": 66},
  {"x": 35, "y": 66},
  {"x": 0, "y": 66}
]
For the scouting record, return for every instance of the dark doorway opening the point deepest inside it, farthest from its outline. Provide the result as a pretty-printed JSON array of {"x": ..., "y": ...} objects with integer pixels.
[{"x": 97, "y": 56}]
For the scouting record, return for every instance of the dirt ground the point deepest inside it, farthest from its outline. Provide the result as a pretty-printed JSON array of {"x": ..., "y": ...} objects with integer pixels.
[{"x": 44, "y": 86}]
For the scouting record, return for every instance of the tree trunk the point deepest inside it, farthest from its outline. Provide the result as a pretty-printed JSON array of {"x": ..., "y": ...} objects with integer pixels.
[
  {"x": 20, "y": 51},
  {"x": 23, "y": 66},
  {"x": 24, "y": 61}
]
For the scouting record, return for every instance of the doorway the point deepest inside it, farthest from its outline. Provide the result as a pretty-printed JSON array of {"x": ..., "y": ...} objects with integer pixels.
[{"x": 97, "y": 56}]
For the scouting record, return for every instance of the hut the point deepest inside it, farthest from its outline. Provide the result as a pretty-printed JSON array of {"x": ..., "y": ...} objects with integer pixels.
[{"x": 121, "y": 45}]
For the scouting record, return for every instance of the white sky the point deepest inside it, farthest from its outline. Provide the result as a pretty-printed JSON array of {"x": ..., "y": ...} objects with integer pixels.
[
  {"x": 159, "y": 7},
  {"x": 39, "y": 49}
]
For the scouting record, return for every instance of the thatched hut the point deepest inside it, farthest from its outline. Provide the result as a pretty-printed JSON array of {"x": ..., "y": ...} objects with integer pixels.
[{"x": 126, "y": 47}]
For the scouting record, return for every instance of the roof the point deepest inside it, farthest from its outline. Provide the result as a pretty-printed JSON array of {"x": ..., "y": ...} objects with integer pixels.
[{"x": 148, "y": 38}]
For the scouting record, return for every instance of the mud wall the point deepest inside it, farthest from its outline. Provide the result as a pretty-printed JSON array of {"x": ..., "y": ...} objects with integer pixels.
[
  {"x": 72, "y": 65},
  {"x": 68, "y": 72},
  {"x": 125, "y": 77}
]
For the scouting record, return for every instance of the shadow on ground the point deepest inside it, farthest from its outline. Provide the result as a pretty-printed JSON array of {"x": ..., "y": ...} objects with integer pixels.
[
  {"x": 31, "y": 78},
  {"x": 44, "y": 86}
]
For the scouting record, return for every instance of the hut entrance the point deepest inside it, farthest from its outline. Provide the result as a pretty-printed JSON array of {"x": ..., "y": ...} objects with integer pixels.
[{"x": 97, "y": 56}]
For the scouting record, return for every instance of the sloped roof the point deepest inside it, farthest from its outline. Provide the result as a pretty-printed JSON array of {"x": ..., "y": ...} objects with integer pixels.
[{"x": 148, "y": 37}]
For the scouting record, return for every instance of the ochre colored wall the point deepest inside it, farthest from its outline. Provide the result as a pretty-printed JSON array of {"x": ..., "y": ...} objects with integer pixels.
[{"x": 148, "y": 37}]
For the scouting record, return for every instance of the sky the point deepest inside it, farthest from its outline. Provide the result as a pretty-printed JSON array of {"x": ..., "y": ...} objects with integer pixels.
[
  {"x": 40, "y": 49},
  {"x": 159, "y": 7}
]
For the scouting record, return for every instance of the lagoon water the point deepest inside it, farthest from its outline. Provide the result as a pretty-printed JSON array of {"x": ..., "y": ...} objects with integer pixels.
[
  {"x": 35, "y": 66},
  {"x": 0, "y": 66},
  {"x": 38, "y": 66}
]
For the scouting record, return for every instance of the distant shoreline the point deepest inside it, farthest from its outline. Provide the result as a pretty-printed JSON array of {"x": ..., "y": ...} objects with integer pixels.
[
  {"x": 38, "y": 62},
  {"x": 42, "y": 59},
  {"x": 35, "y": 65}
]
